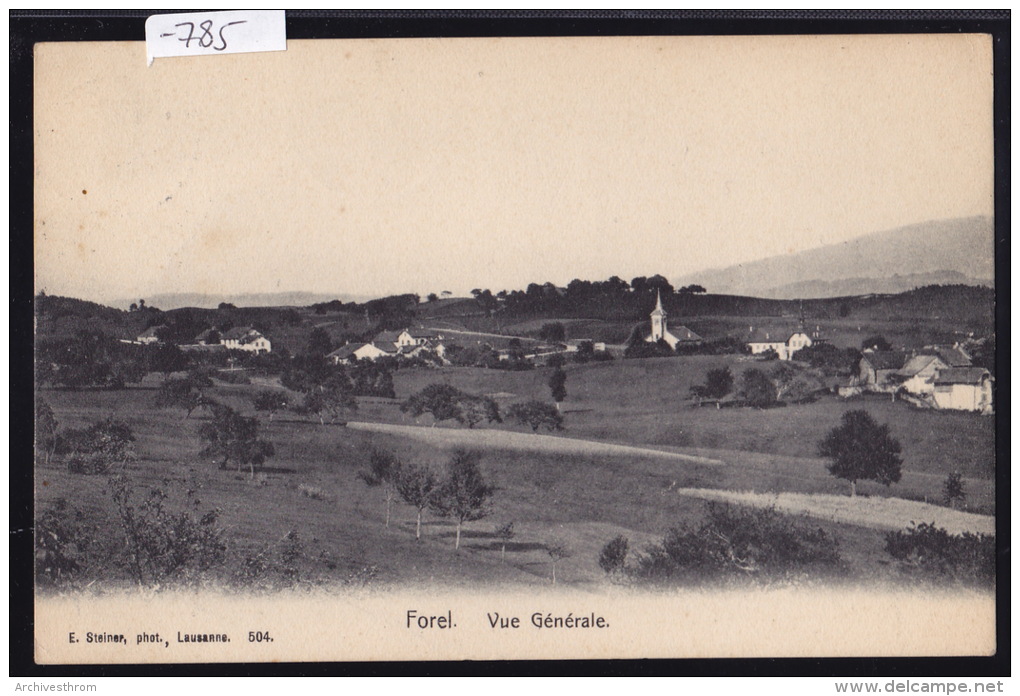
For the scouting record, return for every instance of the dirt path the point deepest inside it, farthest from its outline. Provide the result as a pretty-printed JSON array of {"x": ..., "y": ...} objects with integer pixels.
[
  {"x": 527, "y": 442},
  {"x": 878, "y": 513}
]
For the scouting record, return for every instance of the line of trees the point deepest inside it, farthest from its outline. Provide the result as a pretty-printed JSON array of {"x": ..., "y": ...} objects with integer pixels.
[{"x": 462, "y": 494}]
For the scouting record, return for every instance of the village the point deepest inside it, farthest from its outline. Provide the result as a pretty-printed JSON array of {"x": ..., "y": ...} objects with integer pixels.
[{"x": 932, "y": 376}]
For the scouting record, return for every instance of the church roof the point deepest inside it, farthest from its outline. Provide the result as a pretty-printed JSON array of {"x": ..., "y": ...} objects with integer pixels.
[{"x": 658, "y": 311}]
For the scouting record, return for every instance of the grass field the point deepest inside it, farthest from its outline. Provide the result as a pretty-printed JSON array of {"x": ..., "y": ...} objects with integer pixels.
[
  {"x": 557, "y": 489},
  {"x": 645, "y": 402}
]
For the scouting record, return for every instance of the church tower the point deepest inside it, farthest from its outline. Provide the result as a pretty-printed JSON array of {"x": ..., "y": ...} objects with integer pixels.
[{"x": 658, "y": 319}]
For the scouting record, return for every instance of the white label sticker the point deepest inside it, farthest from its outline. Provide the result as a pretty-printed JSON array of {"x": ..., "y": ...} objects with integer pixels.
[{"x": 210, "y": 33}]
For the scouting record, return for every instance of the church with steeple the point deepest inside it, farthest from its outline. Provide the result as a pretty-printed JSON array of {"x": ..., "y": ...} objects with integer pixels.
[{"x": 661, "y": 332}]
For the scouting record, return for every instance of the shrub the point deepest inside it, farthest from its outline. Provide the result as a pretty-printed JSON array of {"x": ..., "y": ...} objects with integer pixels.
[
  {"x": 933, "y": 552},
  {"x": 613, "y": 556},
  {"x": 536, "y": 414},
  {"x": 96, "y": 449},
  {"x": 953, "y": 492},
  {"x": 66, "y": 544},
  {"x": 757, "y": 389},
  {"x": 739, "y": 542},
  {"x": 718, "y": 383},
  {"x": 163, "y": 545}
]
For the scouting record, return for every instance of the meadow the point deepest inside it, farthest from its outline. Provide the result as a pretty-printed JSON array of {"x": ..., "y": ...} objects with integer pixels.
[{"x": 572, "y": 499}]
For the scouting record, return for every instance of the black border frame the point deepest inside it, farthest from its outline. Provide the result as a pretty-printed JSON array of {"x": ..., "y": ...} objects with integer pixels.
[{"x": 28, "y": 27}]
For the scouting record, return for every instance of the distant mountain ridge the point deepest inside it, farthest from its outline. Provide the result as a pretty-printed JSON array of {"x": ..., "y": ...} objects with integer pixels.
[
  {"x": 177, "y": 300},
  {"x": 954, "y": 251}
]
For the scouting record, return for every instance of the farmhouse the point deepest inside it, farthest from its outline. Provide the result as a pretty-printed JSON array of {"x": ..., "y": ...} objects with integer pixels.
[
  {"x": 952, "y": 356},
  {"x": 661, "y": 333},
  {"x": 149, "y": 335},
  {"x": 915, "y": 372},
  {"x": 209, "y": 337},
  {"x": 919, "y": 372},
  {"x": 245, "y": 338},
  {"x": 761, "y": 342},
  {"x": 964, "y": 389},
  {"x": 405, "y": 344},
  {"x": 880, "y": 370}
]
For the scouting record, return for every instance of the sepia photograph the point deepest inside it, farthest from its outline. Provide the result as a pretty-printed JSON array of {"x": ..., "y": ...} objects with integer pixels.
[{"x": 489, "y": 348}]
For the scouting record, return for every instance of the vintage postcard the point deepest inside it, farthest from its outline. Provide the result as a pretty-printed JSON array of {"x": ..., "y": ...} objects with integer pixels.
[{"x": 515, "y": 348}]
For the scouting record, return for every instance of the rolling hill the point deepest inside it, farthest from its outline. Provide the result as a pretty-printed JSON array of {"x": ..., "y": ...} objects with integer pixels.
[{"x": 940, "y": 252}]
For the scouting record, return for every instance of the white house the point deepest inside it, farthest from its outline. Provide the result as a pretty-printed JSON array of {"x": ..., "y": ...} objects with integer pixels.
[
  {"x": 919, "y": 373},
  {"x": 149, "y": 335},
  {"x": 964, "y": 389},
  {"x": 660, "y": 332},
  {"x": 762, "y": 342},
  {"x": 363, "y": 351},
  {"x": 245, "y": 338}
]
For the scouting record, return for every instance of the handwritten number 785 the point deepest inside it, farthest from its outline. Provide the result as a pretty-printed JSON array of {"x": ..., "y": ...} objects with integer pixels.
[{"x": 205, "y": 36}]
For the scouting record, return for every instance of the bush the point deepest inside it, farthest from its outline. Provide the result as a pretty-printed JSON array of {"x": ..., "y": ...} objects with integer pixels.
[
  {"x": 757, "y": 389},
  {"x": 718, "y": 383},
  {"x": 233, "y": 377},
  {"x": 953, "y": 492},
  {"x": 933, "y": 552},
  {"x": 536, "y": 414},
  {"x": 737, "y": 541},
  {"x": 613, "y": 556},
  {"x": 163, "y": 545},
  {"x": 149, "y": 542},
  {"x": 96, "y": 449},
  {"x": 66, "y": 544}
]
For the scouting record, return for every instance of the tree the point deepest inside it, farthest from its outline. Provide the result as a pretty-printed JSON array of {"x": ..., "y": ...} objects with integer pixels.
[
  {"x": 953, "y": 492},
  {"x": 558, "y": 386},
  {"x": 432, "y": 297},
  {"x": 232, "y": 436},
  {"x": 757, "y": 389},
  {"x": 463, "y": 495},
  {"x": 45, "y": 431},
  {"x": 613, "y": 556},
  {"x": 167, "y": 358},
  {"x": 585, "y": 352},
  {"x": 537, "y": 414},
  {"x": 319, "y": 343},
  {"x": 474, "y": 409},
  {"x": 553, "y": 331},
  {"x": 383, "y": 470},
  {"x": 557, "y": 552},
  {"x": 504, "y": 532},
  {"x": 718, "y": 383},
  {"x": 417, "y": 486},
  {"x": 875, "y": 343},
  {"x": 331, "y": 398},
  {"x": 861, "y": 449},
  {"x": 270, "y": 400},
  {"x": 180, "y": 393},
  {"x": 441, "y": 400},
  {"x": 556, "y": 360}
]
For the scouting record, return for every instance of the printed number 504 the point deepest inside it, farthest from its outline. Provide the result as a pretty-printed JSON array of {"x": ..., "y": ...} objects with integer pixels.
[
  {"x": 259, "y": 637},
  {"x": 205, "y": 36}
]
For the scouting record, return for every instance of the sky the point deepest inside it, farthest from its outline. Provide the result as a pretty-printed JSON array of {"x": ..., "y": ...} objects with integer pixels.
[{"x": 376, "y": 167}]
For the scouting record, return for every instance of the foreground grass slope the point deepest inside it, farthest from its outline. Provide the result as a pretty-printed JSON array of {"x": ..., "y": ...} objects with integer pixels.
[{"x": 575, "y": 501}]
